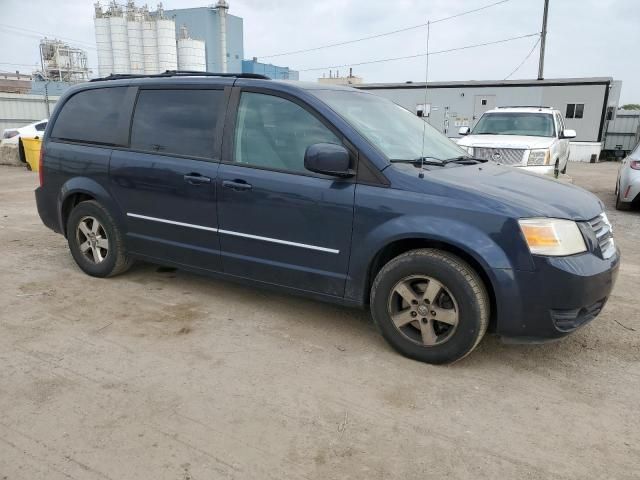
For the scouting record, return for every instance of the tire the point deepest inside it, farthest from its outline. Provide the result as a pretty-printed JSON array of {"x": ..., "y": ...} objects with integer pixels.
[
  {"x": 620, "y": 205},
  {"x": 457, "y": 292},
  {"x": 564, "y": 170},
  {"x": 101, "y": 252}
]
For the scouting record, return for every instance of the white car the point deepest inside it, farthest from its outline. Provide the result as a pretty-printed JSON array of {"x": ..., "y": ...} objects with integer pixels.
[
  {"x": 628, "y": 183},
  {"x": 534, "y": 138},
  {"x": 12, "y": 136}
]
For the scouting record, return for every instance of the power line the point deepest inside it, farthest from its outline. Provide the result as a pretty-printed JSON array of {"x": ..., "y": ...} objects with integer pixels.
[
  {"x": 525, "y": 59},
  {"x": 384, "y": 34},
  {"x": 27, "y": 32},
  {"x": 381, "y": 60}
]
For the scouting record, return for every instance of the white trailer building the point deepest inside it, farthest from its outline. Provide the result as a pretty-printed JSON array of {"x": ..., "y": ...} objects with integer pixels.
[{"x": 588, "y": 104}]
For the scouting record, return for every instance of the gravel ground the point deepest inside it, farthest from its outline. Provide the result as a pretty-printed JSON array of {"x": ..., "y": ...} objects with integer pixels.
[{"x": 161, "y": 374}]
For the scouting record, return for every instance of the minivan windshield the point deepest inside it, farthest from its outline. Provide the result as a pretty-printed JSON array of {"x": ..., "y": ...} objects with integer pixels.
[
  {"x": 515, "y": 123},
  {"x": 395, "y": 131}
]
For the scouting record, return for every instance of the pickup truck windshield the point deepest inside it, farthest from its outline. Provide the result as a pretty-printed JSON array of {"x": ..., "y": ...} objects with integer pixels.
[
  {"x": 395, "y": 131},
  {"x": 515, "y": 123}
]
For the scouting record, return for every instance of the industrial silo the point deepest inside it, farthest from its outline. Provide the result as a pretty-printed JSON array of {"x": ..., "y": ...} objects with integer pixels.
[
  {"x": 119, "y": 41},
  {"x": 134, "y": 32},
  {"x": 103, "y": 43},
  {"x": 166, "y": 41},
  {"x": 191, "y": 53},
  {"x": 149, "y": 45}
]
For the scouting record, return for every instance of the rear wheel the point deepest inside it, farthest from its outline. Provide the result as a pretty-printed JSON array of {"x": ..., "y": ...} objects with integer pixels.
[
  {"x": 96, "y": 243},
  {"x": 430, "y": 306}
]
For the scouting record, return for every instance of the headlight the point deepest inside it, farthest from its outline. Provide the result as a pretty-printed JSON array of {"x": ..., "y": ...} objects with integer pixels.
[
  {"x": 469, "y": 150},
  {"x": 539, "y": 157},
  {"x": 553, "y": 237}
]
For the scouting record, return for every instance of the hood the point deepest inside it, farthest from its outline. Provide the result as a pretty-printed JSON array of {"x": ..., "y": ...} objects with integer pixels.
[
  {"x": 512, "y": 191},
  {"x": 506, "y": 141}
]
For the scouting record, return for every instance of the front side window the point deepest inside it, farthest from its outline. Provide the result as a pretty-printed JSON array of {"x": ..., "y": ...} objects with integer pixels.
[
  {"x": 395, "y": 131},
  {"x": 513, "y": 123},
  {"x": 92, "y": 116},
  {"x": 274, "y": 133},
  {"x": 180, "y": 122}
]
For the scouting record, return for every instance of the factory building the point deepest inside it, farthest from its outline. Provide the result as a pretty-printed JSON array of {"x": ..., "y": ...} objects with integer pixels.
[
  {"x": 221, "y": 32},
  {"x": 587, "y": 104},
  {"x": 268, "y": 69}
]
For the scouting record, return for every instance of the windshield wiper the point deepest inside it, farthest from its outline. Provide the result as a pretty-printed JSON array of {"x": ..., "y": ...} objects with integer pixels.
[
  {"x": 420, "y": 161},
  {"x": 464, "y": 160}
]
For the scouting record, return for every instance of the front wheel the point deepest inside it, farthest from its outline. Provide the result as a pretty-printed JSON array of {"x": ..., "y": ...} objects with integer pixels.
[{"x": 430, "y": 305}]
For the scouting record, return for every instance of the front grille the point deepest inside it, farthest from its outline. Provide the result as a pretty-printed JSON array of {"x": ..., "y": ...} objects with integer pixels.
[
  {"x": 567, "y": 320},
  {"x": 604, "y": 235},
  {"x": 505, "y": 156}
]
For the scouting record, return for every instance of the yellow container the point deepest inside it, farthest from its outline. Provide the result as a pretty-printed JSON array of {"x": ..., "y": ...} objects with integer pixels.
[{"x": 32, "y": 151}]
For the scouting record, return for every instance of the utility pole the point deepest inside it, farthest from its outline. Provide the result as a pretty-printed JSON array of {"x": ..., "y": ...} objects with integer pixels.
[{"x": 543, "y": 39}]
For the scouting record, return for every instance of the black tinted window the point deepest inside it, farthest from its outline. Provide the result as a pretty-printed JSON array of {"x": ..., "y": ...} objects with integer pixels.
[
  {"x": 92, "y": 116},
  {"x": 182, "y": 122},
  {"x": 40, "y": 127}
]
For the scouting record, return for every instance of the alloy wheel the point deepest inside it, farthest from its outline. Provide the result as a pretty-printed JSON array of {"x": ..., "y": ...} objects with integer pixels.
[
  {"x": 423, "y": 310},
  {"x": 92, "y": 239}
]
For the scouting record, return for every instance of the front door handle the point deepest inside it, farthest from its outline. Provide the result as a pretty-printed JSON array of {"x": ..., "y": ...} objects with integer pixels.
[
  {"x": 196, "y": 179},
  {"x": 238, "y": 185}
]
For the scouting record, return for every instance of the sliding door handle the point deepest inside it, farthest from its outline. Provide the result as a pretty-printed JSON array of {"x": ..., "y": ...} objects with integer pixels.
[{"x": 196, "y": 179}]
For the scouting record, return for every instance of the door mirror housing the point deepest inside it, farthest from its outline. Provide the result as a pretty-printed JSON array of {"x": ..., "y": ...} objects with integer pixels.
[
  {"x": 568, "y": 133},
  {"x": 328, "y": 159},
  {"x": 464, "y": 131}
]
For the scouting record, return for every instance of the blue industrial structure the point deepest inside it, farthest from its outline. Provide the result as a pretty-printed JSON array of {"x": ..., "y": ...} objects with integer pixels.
[
  {"x": 268, "y": 69},
  {"x": 203, "y": 23}
]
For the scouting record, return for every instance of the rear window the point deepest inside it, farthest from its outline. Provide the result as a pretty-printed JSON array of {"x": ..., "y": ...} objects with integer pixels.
[
  {"x": 181, "y": 122},
  {"x": 92, "y": 116}
]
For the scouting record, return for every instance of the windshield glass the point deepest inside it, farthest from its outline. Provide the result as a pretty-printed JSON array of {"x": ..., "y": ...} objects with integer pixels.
[
  {"x": 395, "y": 131},
  {"x": 531, "y": 124}
]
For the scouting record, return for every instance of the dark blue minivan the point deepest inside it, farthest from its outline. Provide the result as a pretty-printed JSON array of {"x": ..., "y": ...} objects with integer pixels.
[{"x": 324, "y": 191}]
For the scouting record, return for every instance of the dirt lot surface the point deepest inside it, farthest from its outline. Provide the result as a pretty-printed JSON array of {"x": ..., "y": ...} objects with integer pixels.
[{"x": 167, "y": 375}]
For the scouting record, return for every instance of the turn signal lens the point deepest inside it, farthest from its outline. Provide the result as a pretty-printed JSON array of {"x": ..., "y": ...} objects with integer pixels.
[
  {"x": 552, "y": 236},
  {"x": 635, "y": 164}
]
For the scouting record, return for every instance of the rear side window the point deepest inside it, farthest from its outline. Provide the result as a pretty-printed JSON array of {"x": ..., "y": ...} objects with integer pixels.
[
  {"x": 181, "y": 122},
  {"x": 40, "y": 127},
  {"x": 92, "y": 116}
]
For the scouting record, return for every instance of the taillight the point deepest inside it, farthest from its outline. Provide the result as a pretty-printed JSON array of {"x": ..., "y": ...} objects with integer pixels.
[
  {"x": 40, "y": 162},
  {"x": 635, "y": 164}
]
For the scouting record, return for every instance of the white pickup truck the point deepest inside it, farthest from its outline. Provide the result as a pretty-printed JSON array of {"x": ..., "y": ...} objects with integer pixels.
[{"x": 534, "y": 138}]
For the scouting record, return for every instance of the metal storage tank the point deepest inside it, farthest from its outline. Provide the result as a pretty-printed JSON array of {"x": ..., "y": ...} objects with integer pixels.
[
  {"x": 166, "y": 41},
  {"x": 103, "y": 44},
  {"x": 150, "y": 47},
  {"x": 119, "y": 42},
  {"x": 191, "y": 53},
  {"x": 134, "y": 32}
]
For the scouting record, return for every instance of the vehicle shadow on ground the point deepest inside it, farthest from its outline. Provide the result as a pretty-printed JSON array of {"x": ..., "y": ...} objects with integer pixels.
[{"x": 352, "y": 326}]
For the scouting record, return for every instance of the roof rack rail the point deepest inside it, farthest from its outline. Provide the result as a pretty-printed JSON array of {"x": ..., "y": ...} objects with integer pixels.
[
  {"x": 523, "y": 106},
  {"x": 180, "y": 73}
]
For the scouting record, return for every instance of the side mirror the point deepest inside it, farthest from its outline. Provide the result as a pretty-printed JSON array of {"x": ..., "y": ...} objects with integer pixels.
[
  {"x": 464, "y": 131},
  {"x": 567, "y": 133},
  {"x": 328, "y": 159}
]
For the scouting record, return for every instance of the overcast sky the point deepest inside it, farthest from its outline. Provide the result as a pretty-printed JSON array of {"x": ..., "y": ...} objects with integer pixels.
[{"x": 585, "y": 37}]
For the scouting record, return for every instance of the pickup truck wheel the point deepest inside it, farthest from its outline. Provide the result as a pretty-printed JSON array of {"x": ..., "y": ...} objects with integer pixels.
[
  {"x": 96, "y": 243},
  {"x": 430, "y": 306}
]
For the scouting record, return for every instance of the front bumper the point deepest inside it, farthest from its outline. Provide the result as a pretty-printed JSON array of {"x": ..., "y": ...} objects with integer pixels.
[{"x": 559, "y": 296}]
